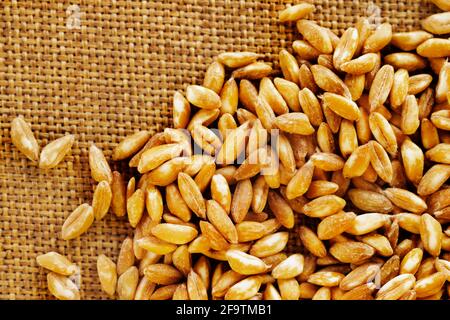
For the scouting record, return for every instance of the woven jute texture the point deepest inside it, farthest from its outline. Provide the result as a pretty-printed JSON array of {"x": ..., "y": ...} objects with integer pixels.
[{"x": 107, "y": 76}]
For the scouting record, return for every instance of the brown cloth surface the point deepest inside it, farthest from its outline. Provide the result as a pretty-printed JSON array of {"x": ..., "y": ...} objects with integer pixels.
[{"x": 113, "y": 74}]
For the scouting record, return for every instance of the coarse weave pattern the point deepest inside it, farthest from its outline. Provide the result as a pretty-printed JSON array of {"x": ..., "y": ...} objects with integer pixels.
[{"x": 111, "y": 75}]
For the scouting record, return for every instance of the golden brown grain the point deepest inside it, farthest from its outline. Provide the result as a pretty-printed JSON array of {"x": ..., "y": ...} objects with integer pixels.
[
  {"x": 253, "y": 71},
  {"x": 378, "y": 39},
  {"x": 78, "y": 222},
  {"x": 237, "y": 59},
  {"x": 296, "y": 12},
  {"x": 54, "y": 152},
  {"x": 346, "y": 47},
  {"x": 434, "y": 48},
  {"x": 437, "y": 23},
  {"x": 23, "y": 138},
  {"x": 410, "y": 40},
  {"x": 62, "y": 287},
  {"x": 107, "y": 274},
  {"x": 57, "y": 263},
  {"x": 317, "y": 36},
  {"x": 329, "y": 81},
  {"x": 101, "y": 200},
  {"x": 248, "y": 189},
  {"x": 289, "y": 91}
]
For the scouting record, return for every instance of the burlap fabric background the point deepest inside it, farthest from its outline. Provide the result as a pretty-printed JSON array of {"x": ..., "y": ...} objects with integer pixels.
[{"x": 113, "y": 75}]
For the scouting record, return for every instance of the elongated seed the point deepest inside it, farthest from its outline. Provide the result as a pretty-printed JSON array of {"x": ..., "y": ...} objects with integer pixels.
[
  {"x": 329, "y": 81},
  {"x": 378, "y": 39},
  {"x": 107, "y": 275},
  {"x": 191, "y": 194},
  {"x": 130, "y": 145},
  {"x": 23, "y": 138},
  {"x": 438, "y": 23},
  {"x": 381, "y": 86},
  {"x": 78, "y": 222},
  {"x": 101, "y": 200},
  {"x": 344, "y": 107},
  {"x": 100, "y": 169},
  {"x": 409, "y": 40},
  {"x": 62, "y": 287},
  {"x": 346, "y": 47},
  {"x": 54, "y": 152},
  {"x": 57, "y": 263},
  {"x": 315, "y": 35},
  {"x": 296, "y": 12},
  {"x": 237, "y": 59}
]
